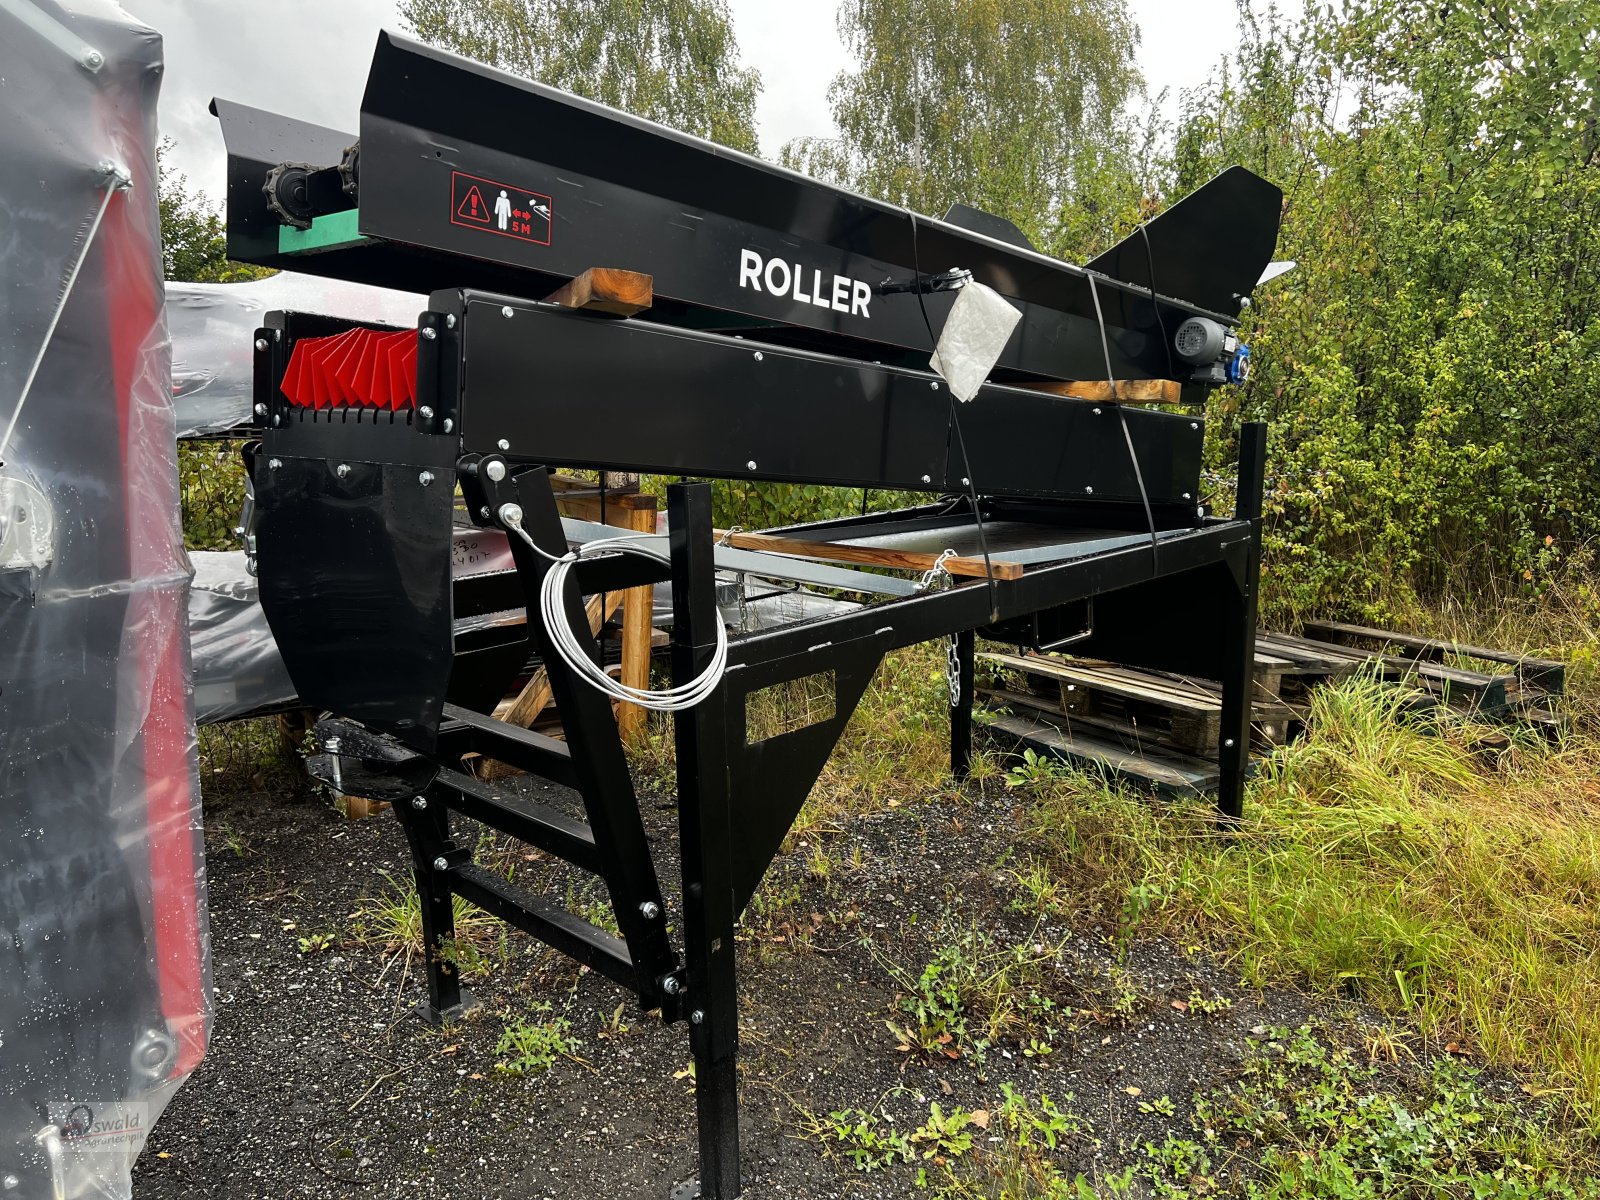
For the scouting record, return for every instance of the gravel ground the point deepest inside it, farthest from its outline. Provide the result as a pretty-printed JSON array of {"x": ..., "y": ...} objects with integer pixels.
[{"x": 320, "y": 1082}]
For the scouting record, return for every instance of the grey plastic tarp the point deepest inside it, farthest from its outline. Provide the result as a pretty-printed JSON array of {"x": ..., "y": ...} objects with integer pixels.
[
  {"x": 104, "y": 971},
  {"x": 213, "y": 324}
]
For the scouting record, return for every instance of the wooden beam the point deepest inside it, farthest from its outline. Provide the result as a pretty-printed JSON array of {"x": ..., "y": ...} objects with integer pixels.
[
  {"x": 638, "y": 607},
  {"x": 872, "y": 556},
  {"x": 1127, "y": 391},
  {"x": 536, "y": 695},
  {"x": 607, "y": 290}
]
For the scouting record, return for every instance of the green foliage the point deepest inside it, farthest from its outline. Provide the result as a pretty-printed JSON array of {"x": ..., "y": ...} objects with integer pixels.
[
  {"x": 1384, "y": 862},
  {"x": 1017, "y": 108},
  {"x": 866, "y": 1140},
  {"x": 672, "y": 61},
  {"x": 972, "y": 993},
  {"x": 531, "y": 1047},
  {"x": 1323, "y": 1125},
  {"x": 1430, "y": 370},
  {"x": 211, "y": 483},
  {"x": 192, "y": 244}
]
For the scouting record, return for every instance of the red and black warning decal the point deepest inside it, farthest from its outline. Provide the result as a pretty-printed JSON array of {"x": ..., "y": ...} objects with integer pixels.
[{"x": 501, "y": 208}]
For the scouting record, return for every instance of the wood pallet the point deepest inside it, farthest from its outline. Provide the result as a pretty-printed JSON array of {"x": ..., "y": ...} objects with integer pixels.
[{"x": 1161, "y": 730}]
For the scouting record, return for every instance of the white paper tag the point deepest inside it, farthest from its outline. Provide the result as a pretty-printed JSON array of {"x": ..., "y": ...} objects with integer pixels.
[{"x": 974, "y": 335}]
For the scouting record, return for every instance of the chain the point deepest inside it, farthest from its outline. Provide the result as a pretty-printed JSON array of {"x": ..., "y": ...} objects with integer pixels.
[
  {"x": 952, "y": 669},
  {"x": 937, "y": 575},
  {"x": 934, "y": 578}
]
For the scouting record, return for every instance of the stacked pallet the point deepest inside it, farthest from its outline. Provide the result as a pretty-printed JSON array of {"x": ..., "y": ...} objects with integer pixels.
[{"x": 1161, "y": 731}]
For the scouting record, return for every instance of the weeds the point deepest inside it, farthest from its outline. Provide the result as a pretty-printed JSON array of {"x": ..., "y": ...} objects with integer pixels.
[
  {"x": 531, "y": 1047},
  {"x": 972, "y": 993},
  {"x": 1383, "y": 862},
  {"x": 1302, "y": 1119}
]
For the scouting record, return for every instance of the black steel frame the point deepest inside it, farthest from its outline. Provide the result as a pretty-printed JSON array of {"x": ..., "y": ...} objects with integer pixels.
[
  {"x": 354, "y": 522},
  {"x": 737, "y": 799}
]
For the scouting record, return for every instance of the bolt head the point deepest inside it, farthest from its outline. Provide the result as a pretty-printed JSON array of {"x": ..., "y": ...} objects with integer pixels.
[
  {"x": 419, "y": 802},
  {"x": 425, "y": 478},
  {"x": 496, "y": 470},
  {"x": 751, "y": 465},
  {"x": 927, "y": 479},
  {"x": 441, "y": 864},
  {"x": 1187, "y": 496},
  {"x": 506, "y": 312},
  {"x": 331, "y": 745},
  {"x": 503, "y": 444},
  {"x": 448, "y": 425},
  {"x": 342, "y": 470},
  {"x": 670, "y": 985},
  {"x": 1194, "y": 424},
  {"x": 965, "y": 482},
  {"x": 429, "y": 333},
  {"x": 1088, "y": 491},
  {"x": 449, "y": 320},
  {"x": 261, "y": 345},
  {"x": 649, "y": 910},
  {"x": 1228, "y": 742},
  {"x": 483, "y": 512},
  {"x": 261, "y": 410},
  {"x": 94, "y": 60},
  {"x": 1097, "y": 412},
  {"x": 274, "y": 463},
  {"x": 698, "y": 1016},
  {"x": 934, "y": 385},
  {"x": 511, "y": 514},
  {"x": 425, "y": 412},
  {"x": 759, "y": 356}
]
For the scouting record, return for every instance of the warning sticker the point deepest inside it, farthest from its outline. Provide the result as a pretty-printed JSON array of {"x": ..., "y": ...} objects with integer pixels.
[{"x": 496, "y": 207}]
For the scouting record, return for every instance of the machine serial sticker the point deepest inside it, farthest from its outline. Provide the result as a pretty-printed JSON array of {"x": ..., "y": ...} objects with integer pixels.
[{"x": 496, "y": 207}]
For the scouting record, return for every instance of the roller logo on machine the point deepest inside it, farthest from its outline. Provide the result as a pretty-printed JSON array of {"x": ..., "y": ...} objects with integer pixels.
[
  {"x": 777, "y": 277},
  {"x": 501, "y": 208}
]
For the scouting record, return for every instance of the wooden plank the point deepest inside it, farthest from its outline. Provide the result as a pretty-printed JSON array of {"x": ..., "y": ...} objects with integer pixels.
[
  {"x": 872, "y": 556},
  {"x": 1268, "y": 732},
  {"x": 1101, "y": 391},
  {"x": 638, "y": 607},
  {"x": 1116, "y": 681},
  {"x": 1173, "y": 774},
  {"x": 607, "y": 290},
  {"x": 536, "y": 695},
  {"x": 1546, "y": 673}
]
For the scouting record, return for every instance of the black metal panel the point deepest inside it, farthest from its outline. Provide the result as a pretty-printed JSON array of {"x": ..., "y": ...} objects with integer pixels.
[
  {"x": 690, "y": 403},
  {"x": 355, "y": 580},
  {"x": 1210, "y": 247},
  {"x": 257, "y": 142},
  {"x": 590, "y": 186}
]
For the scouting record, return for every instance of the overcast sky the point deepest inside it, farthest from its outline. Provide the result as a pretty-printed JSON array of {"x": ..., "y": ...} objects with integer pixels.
[{"x": 309, "y": 60}]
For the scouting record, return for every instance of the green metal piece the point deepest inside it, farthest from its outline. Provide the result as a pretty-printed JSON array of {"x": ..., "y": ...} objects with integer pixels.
[{"x": 330, "y": 232}]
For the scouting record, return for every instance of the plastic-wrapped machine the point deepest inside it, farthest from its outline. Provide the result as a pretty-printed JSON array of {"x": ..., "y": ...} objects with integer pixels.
[
  {"x": 213, "y": 326},
  {"x": 238, "y": 671},
  {"x": 104, "y": 987}
]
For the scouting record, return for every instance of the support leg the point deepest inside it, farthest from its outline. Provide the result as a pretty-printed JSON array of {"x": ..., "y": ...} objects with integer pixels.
[
  {"x": 961, "y": 708},
  {"x": 1239, "y": 632},
  {"x": 428, "y": 831},
  {"x": 710, "y": 998}
]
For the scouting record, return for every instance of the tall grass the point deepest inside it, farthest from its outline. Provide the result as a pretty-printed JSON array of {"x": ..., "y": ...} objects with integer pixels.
[{"x": 1385, "y": 862}]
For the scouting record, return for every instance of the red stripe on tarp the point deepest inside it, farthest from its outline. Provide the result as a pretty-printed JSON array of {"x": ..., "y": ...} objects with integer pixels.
[{"x": 156, "y": 611}]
